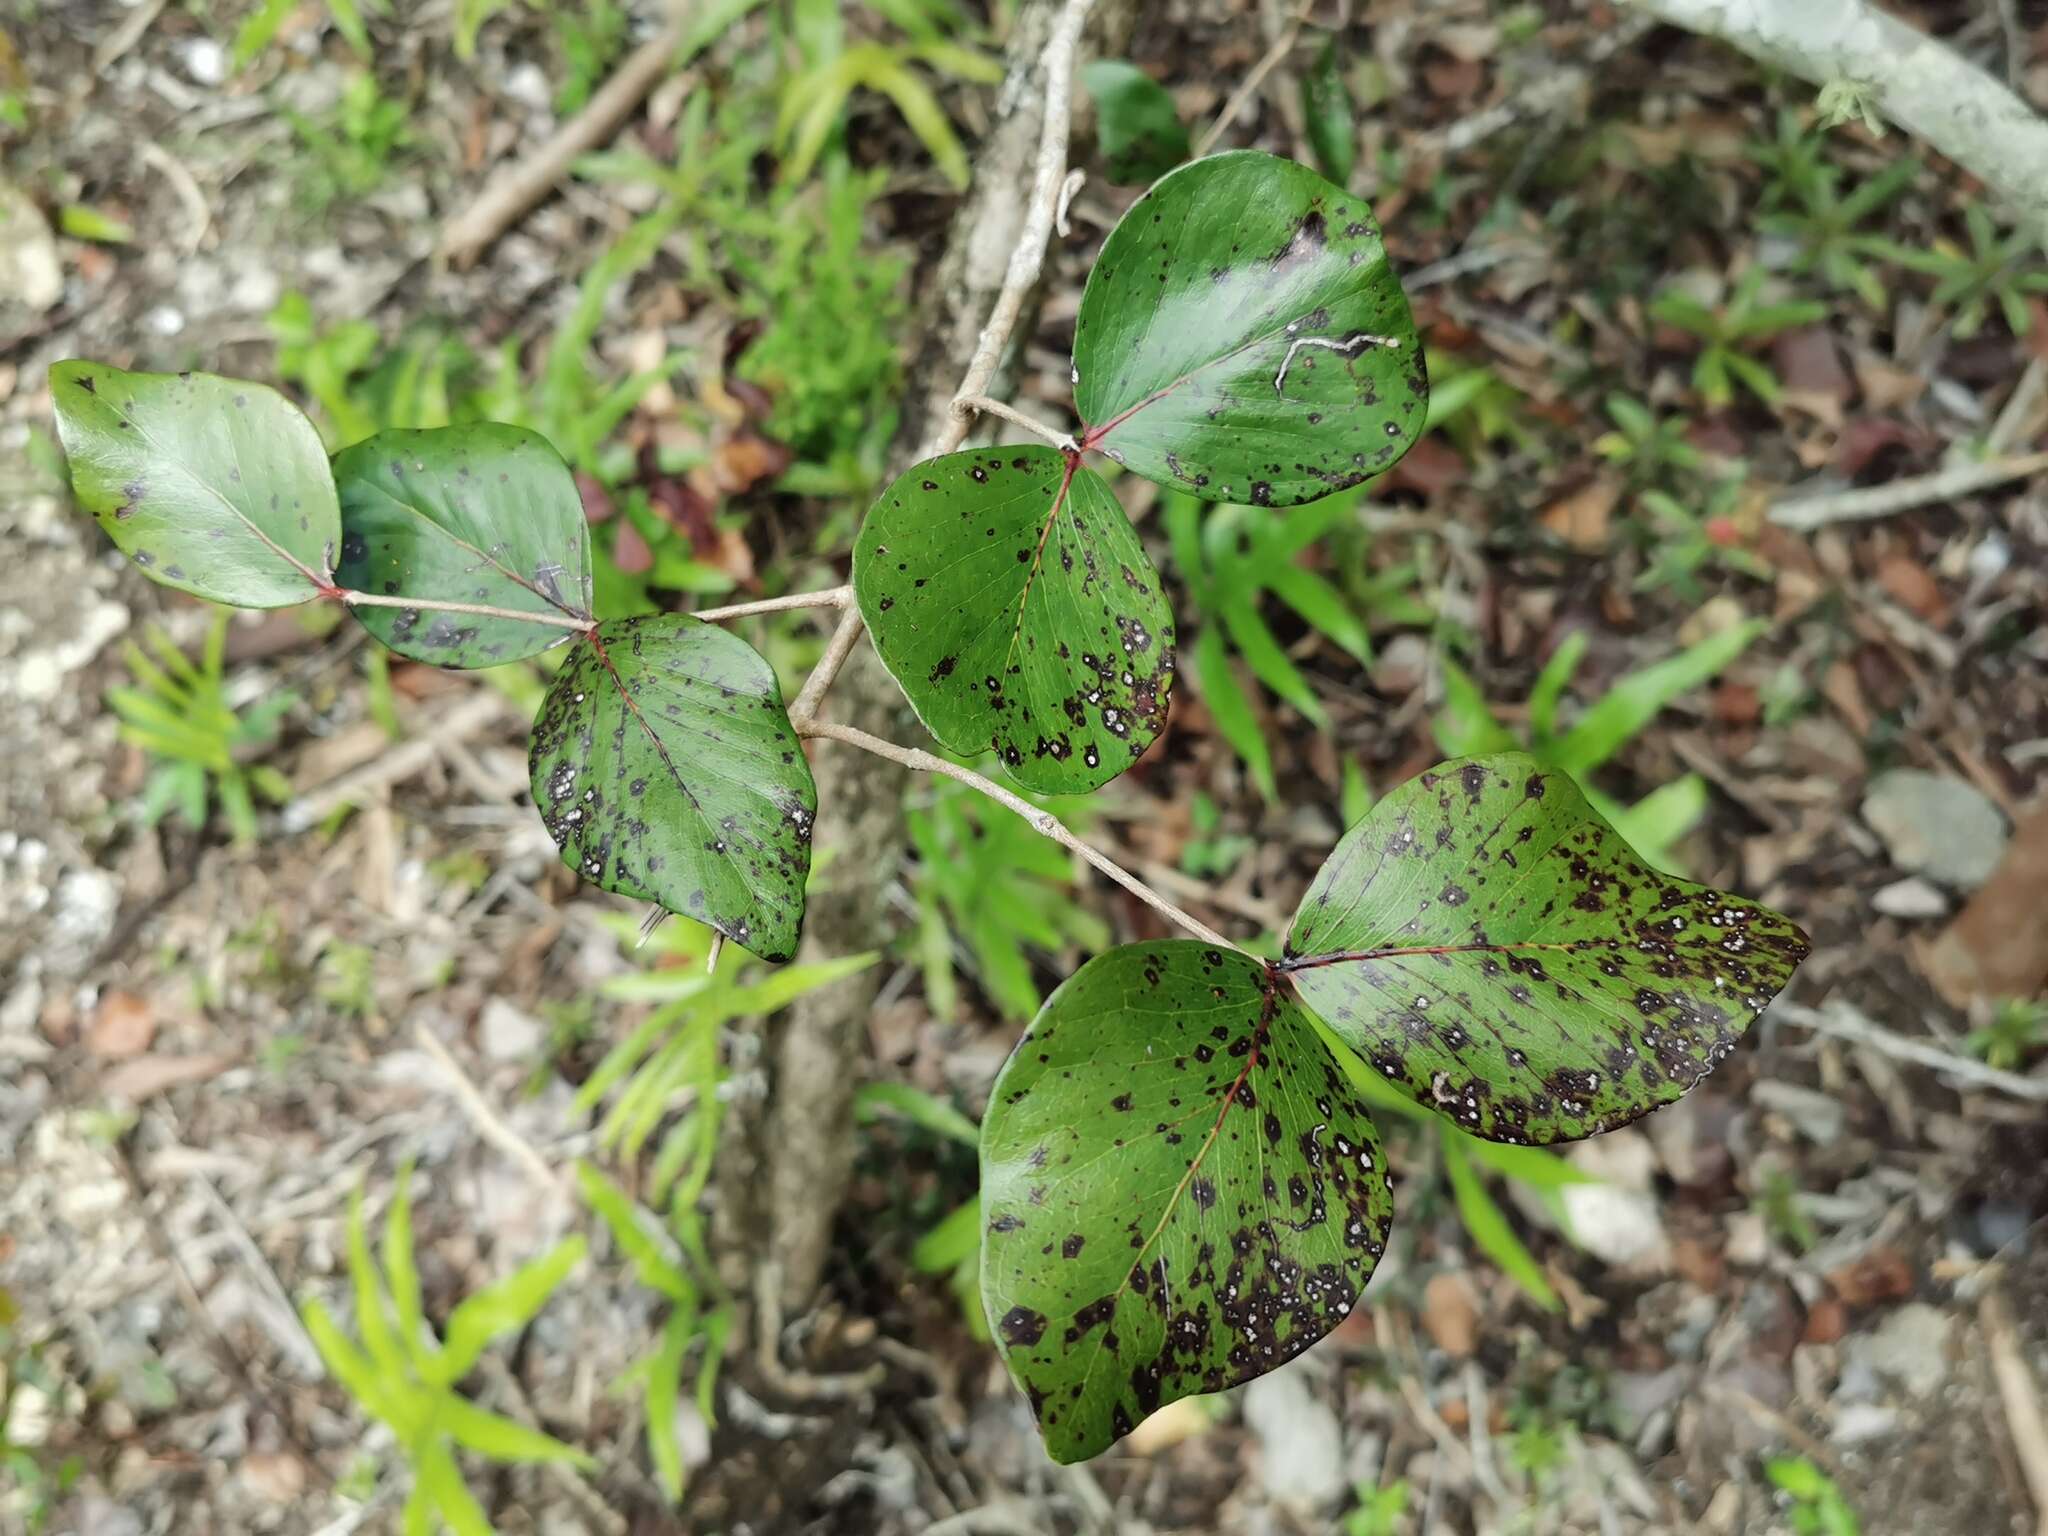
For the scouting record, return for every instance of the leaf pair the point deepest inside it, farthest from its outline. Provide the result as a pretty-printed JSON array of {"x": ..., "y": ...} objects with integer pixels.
[
  {"x": 1242, "y": 337},
  {"x": 662, "y": 761},
  {"x": 1182, "y": 1187}
]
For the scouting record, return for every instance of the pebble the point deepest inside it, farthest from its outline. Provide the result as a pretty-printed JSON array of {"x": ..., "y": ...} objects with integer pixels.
[
  {"x": 1909, "y": 1348},
  {"x": 1302, "y": 1449},
  {"x": 1910, "y": 897},
  {"x": 506, "y": 1034},
  {"x": 30, "y": 273},
  {"x": 1819, "y": 1117},
  {"x": 206, "y": 62},
  {"x": 1936, "y": 826}
]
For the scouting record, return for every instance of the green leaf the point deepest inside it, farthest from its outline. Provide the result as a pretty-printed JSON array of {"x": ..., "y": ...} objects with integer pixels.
[
  {"x": 925, "y": 117},
  {"x": 1231, "y": 710},
  {"x": 1492, "y": 947},
  {"x": 916, "y": 1106},
  {"x": 665, "y": 769},
  {"x": 1136, "y": 127},
  {"x": 1488, "y": 1225},
  {"x": 348, "y": 1363},
  {"x": 1332, "y": 121},
  {"x": 952, "y": 1242},
  {"x": 214, "y": 486},
  {"x": 1181, "y": 1191},
  {"x": 657, "y": 1271},
  {"x": 499, "y": 1438},
  {"x": 1637, "y": 699},
  {"x": 474, "y": 514},
  {"x": 451, "y": 1497},
  {"x": 1011, "y": 600},
  {"x": 505, "y": 1306},
  {"x": 1242, "y": 336}
]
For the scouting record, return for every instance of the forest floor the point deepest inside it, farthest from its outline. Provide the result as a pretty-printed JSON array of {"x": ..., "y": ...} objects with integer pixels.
[{"x": 1831, "y": 1254}]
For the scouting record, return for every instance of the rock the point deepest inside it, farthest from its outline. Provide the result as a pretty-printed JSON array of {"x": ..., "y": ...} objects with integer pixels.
[
  {"x": 1302, "y": 1450},
  {"x": 1911, "y": 897},
  {"x": 1819, "y": 1117},
  {"x": 1617, "y": 1220},
  {"x": 276, "y": 1477},
  {"x": 30, "y": 274},
  {"x": 1936, "y": 826},
  {"x": 1861, "y": 1423},
  {"x": 506, "y": 1034},
  {"x": 206, "y": 62},
  {"x": 1910, "y": 1348}
]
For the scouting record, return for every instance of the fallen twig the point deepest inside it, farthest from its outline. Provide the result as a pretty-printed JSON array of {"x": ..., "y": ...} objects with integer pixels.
[
  {"x": 407, "y": 758},
  {"x": 2021, "y": 1399},
  {"x": 1282, "y": 46},
  {"x": 1805, "y": 513},
  {"x": 1845, "y": 1023},
  {"x": 489, "y": 1124},
  {"x": 510, "y": 193}
]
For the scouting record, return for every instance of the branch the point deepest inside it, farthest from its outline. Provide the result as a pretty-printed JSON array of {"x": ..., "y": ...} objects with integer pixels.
[
  {"x": 356, "y": 599},
  {"x": 1063, "y": 441},
  {"x": 1026, "y": 260},
  {"x": 1282, "y": 46},
  {"x": 1804, "y": 513},
  {"x": 1845, "y": 1023},
  {"x": 1042, "y": 821},
  {"x": 830, "y": 597},
  {"x": 1924, "y": 86}
]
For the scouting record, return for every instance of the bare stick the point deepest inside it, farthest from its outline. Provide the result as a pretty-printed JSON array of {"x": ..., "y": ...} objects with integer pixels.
[
  {"x": 1041, "y": 821},
  {"x": 990, "y": 407},
  {"x": 2020, "y": 1398},
  {"x": 486, "y": 1119},
  {"x": 1845, "y": 1023},
  {"x": 434, "y": 605},
  {"x": 1282, "y": 46},
  {"x": 1804, "y": 513},
  {"x": 1028, "y": 257},
  {"x": 472, "y": 714},
  {"x": 1923, "y": 85},
  {"x": 511, "y": 193},
  {"x": 830, "y": 597},
  {"x": 1025, "y": 262}
]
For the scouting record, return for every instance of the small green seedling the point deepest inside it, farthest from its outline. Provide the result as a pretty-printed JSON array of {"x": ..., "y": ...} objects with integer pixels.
[
  {"x": 1688, "y": 542},
  {"x": 2018, "y": 1027},
  {"x": 403, "y": 1374},
  {"x": 1652, "y": 450},
  {"x": 1996, "y": 273},
  {"x": 1806, "y": 206},
  {"x": 1815, "y": 1504},
  {"x": 201, "y": 745},
  {"x": 1731, "y": 333},
  {"x": 1181, "y": 1188}
]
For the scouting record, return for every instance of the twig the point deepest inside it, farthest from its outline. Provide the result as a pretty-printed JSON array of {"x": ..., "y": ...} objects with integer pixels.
[
  {"x": 356, "y": 599},
  {"x": 1061, "y": 440},
  {"x": 173, "y": 170},
  {"x": 2022, "y": 1401},
  {"x": 1924, "y": 86},
  {"x": 1042, "y": 821},
  {"x": 126, "y": 36},
  {"x": 829, "y": 597},
  {"x": 1026, "y": 260},
  {"x": 511, "y": 193},
  {"x": 404, "y": 760},
  {"x": 293, "y": 1336},
  {"x": 1028, "y": 257},
  {"x": 602, "y": 1516},
  {"x": 1805, "y": 513},
  {"x": 1845, "y": 1023},
  {"x": 487, "y": 1121},
  {"x": 2018, "y": 416},
  {"x": 1248, "y": 87}
]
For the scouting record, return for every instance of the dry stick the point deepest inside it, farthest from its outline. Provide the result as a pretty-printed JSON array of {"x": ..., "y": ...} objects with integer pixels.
[
  {"x": 1042, "y": 821},
  {"x": 404, "y": 760},
  {"x": 1282, "y": 46},
  {"x": 1063, "y": 441},
  {"x": 510, "y": 193},
  {"x": 1845, "y": 1024},
  {"x": 1805, "y": 513},
  {"x": 486, "y": 1119},
  {"x": 436, "y": 605},
  {"x": 1026, "y": 260},
  {"x": 2021, "y": 1400},
  {"x": 829, "y": 597}
]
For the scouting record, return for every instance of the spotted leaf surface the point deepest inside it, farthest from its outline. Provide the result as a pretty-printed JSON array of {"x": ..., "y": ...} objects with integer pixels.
[
  {"x": 1010, "y": 597},
  {"x": 1180, "y": 1191},
  {"x": 214, "y": 486},
  {"x": 1492, "y": 946},
  {"x": 665, "y": 768},
  {"x": 1243, "y": 337},
  {"x": 472, "y": 514}
]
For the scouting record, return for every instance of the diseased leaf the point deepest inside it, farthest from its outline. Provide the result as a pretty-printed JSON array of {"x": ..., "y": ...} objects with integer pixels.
[
  {"x": 1180, "y": 1190},
  {"x": 1243, "y": 337},
  {"x": 665, "y": 768},
  {"x": 1489, "y": 944},
  {"x": 471, "y": 514},
  {"x": 214, "y": 486},
  {"x": 1136, "y": 127},
  {"x": 1010, "y": 598}
]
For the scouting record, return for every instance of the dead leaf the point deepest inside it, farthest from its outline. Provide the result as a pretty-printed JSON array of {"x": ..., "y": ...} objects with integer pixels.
[
  {"x": 1998, "y": 944},
  {"x": 1431, "y": 467},
  {"x": 1182, "y": 1419},
  {"x": 1915, "y": 588},
  {"x": 629, "y": 550},
  {"x": 1880, "y": 1275},
  {"x": 1826, "y": 1321},
  {"x": 1450, "y": 1313},
  {"x": 146, "y": 1076},
  {"x": 122, "y": 1026},
  {"x": 1580, "y": 519}
]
